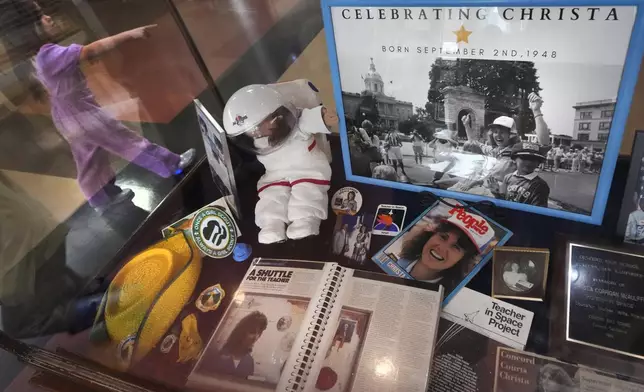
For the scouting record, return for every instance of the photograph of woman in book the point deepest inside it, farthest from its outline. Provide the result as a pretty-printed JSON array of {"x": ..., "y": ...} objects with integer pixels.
[
  {"x": 235, "y": 357},
  {"x": 253, "y": 341},
  {"x": 342, "y": 355},
  {"x": 445, "y": 245}
]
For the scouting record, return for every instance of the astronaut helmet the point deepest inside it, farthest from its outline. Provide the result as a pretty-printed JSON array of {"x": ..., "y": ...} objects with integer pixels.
[{"x": 259, "y": 119}]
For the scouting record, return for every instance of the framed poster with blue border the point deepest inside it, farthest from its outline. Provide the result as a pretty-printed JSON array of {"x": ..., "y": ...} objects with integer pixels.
[
  {"x": 520, "y": 102},
  {"x": 448, "y": 243}
]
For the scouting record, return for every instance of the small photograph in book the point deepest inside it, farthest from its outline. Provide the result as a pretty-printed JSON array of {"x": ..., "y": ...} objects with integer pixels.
[
  {"x": 340, "y": 361},
  {"x": 252, "y": 343}
]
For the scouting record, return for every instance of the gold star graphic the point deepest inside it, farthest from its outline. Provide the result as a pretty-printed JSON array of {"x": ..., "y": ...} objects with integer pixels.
[{"x": 462, "y": 35}]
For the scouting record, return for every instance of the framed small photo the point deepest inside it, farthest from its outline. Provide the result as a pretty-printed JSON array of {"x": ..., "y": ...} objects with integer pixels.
[{"x": 520, "y": 273}]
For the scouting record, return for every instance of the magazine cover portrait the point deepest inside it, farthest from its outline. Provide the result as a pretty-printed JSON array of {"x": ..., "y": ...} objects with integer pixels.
[
  {"x": 523, "y": 105},
  {"x": 448, "y": 244}
]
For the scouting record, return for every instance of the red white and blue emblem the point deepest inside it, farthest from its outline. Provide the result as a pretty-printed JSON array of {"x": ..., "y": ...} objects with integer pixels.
[{"x": 239, "y": 120}]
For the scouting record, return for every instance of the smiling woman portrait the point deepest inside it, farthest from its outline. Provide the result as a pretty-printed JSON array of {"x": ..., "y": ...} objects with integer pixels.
[
  {"x": 443, "y": 251},
  {"x": 447, "y": 245}
]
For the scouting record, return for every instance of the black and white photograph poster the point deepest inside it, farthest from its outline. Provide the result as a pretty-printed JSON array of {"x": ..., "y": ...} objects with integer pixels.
[
  {"x": 520, "y": 273},
  {"x": 522, "y": 105}
]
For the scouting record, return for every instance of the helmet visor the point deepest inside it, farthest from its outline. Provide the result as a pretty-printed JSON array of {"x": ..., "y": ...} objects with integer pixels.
[{"x": 270, "y": 134}]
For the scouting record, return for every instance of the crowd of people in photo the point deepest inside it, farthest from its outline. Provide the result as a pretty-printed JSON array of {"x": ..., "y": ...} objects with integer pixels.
[
  {"x": 577, "y": 160},
  {"x": 503, "y": 166},
  {"x": 381, "y": 150}
]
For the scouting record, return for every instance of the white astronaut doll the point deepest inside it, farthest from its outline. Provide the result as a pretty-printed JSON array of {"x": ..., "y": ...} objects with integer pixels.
[{"x": 284, "y": 124}]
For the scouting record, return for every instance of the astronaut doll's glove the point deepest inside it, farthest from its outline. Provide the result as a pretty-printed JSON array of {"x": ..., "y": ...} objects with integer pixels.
[
  {"x": 330, "y": 117},
  {"x": 317, "y": 120}
]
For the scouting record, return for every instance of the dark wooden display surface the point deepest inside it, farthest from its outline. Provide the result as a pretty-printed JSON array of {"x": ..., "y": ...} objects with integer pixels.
[{"x": 546, "y": 335}]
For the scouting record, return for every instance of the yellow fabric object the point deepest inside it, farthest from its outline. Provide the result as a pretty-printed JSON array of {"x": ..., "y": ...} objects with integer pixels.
[
  {"x": 190, "y": 343},
  {"x": 149, "y": 292}
]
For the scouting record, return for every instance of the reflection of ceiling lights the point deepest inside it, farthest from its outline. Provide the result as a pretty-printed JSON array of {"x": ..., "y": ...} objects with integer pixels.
[
  {"x": 495, "y": 19},
  {"x": 574, "y": 274},
  {"x": 143, "y": 197},
  {"x": 450, "y": 47},
  {"x": 384, "y": 368},
  {"x": 239, "y": 298}
]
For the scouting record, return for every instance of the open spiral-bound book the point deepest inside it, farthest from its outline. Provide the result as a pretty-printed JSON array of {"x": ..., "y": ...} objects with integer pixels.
[{"x": 312, "y": 326}]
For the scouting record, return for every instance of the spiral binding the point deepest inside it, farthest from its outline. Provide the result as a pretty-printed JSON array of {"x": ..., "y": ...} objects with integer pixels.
[{"x": 315, "y": 330}]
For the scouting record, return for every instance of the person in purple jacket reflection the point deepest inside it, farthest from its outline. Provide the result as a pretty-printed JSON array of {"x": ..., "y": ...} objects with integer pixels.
[{"x": 91, "y": 132}]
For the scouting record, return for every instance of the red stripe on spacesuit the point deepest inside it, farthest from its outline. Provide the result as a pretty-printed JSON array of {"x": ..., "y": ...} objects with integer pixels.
[
  {"x": 312, "y": 181},
  {"x": 312, "y": 146},
  {"x": 280, "y": 183}
]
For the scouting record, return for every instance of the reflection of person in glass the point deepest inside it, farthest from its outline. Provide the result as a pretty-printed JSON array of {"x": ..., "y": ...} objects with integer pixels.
[
  {"x": 553, "y": 378},
  {"x": 91, "y": 132},
  {"x": 235, "y": 356},
  {"x": 350, "y": 204},
  {"x": 444, "y": 252},
  {"x": 360, "y": 247}
]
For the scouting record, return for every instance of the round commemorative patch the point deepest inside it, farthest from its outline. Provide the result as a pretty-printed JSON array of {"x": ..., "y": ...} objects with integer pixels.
[
  {"x": 346, "y": 201},
  {"x": 210, "y": 298},
  {"x": 213, "y": 231}
]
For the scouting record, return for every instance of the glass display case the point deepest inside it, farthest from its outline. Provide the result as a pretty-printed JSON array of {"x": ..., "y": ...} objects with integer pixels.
[{"x": 108, "y": 111}]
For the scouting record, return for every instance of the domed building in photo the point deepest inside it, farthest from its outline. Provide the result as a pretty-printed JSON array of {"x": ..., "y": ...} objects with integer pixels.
[{"x": 390, "y": 110}]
